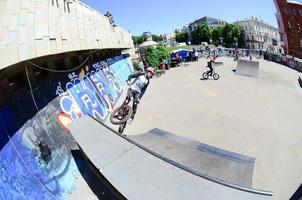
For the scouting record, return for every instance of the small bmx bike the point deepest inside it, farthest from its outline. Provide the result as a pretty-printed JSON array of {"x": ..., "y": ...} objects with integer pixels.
[
  {"x": 207, "y": 74},
  {"x": 121, "y": 115}
]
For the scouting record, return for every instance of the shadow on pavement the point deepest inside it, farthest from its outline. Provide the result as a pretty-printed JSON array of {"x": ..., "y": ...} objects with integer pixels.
[{"x": 100, "y": 186}]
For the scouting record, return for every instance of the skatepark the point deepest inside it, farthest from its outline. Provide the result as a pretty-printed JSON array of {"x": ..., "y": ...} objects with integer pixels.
[
  {"x": 255, "y": 117},
  {"x": 63, "y": 70}
]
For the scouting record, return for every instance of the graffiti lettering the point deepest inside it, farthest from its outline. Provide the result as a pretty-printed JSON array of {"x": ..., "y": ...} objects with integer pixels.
[{"x": 95, "y": 94}]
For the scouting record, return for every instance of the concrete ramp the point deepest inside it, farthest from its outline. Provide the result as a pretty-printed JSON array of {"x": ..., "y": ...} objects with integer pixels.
[
  {"x": 139, "y": 173},
  {"x": 205, "y": 159},
  {"x": 247, "y": 68}
]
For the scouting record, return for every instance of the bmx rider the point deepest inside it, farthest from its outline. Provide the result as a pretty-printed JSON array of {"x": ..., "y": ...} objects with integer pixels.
[{"x": 138, "y": 85}]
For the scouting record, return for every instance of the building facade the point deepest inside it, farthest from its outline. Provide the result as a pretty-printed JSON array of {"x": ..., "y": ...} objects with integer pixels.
[
  {"x": 260, "y": 35},
  {"x": 289, "y": 18}
]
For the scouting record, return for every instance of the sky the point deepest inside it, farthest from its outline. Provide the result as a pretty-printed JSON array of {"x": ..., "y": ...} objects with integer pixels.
[{"x": 164, "y": 16}]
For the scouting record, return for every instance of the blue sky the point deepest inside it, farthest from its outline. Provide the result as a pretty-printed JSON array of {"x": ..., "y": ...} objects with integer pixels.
[{"x": 164, "y": 16}]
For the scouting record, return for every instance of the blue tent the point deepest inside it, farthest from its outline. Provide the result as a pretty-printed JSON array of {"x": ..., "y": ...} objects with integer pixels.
[{"x": 182, "y": 53}]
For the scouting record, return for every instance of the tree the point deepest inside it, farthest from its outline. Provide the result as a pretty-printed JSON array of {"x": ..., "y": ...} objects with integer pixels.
[
  {"x": 230, "y": 32},
  {"x": 155, "y": 54},
  {"x": 217, "y": 34},
  {"x": 202, "y": 33},
  {"x": 162, "y": 52},
  {"x": 156, "y": 38},
  {"x": 182, "y": 37},
  {"x": 152, "y": 57},
  {"x": 241, "y": 40},
  {"x": 137, "y": 39}
]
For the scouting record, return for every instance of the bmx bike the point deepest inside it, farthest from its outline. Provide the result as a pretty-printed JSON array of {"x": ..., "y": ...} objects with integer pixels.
[
  {"x": 121, "y": 115},
  {"x": 207, "y": 74}
]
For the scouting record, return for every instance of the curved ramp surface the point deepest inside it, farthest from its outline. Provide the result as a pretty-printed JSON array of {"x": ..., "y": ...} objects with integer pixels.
[
  {"x": 202, "y": 158},
  {"x": 139, "y": 174}
]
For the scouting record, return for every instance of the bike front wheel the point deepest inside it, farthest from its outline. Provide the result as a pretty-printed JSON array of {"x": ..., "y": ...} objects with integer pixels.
[
  {"x": 121, "y": 115},
  {"x": 216, "y": 76}
]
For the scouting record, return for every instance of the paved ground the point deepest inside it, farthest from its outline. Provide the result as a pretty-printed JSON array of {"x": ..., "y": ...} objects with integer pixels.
[{"x": 260, "y": 118}]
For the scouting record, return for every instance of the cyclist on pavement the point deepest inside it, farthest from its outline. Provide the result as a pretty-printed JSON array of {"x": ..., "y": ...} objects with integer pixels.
[
  {"x": 210, "y": 65},
  {"x": 138, "y": 84}
]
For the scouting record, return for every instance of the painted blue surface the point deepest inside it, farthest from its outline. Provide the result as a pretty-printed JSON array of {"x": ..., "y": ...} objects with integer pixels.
[
  {"x": 24, "y": 173},
  {"x": 226, "y": 154}
]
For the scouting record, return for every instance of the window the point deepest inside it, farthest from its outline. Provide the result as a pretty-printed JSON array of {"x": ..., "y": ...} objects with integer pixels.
[
  {"x": 300, "y": 11},
  {"x": 294, "y": 12},
  {"x": 300, "y": 42},
  {"x": 285, "y": 11},
  {"x": 279, "y": 24},
  {"x": 289, "y": 25},
  {"x": 281, "y": 37},
  {"x": 246, "y": 28},
  {"x": 299, "y": 28},
  {"x": 55, "y": 2}
]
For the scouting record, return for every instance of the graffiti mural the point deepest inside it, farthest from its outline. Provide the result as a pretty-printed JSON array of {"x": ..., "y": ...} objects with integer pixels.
[
  {"x": 95, "y": 93},
  {"x": 35, "y": 152}
]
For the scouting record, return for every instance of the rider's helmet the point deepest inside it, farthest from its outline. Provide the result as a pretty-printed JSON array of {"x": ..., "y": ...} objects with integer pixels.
[{"x": 150, "y": 70}]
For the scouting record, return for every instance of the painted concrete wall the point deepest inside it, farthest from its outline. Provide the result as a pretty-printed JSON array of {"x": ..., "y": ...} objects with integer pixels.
[
  {"x": 35, "y": 28},
  {"x": 35, "y": 146}
]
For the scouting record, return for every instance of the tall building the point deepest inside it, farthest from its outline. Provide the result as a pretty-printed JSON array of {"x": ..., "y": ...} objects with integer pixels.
[
  {"x": 212, "y": 22},
  {"x": 259, "y": 35},
  {"x": 289, "y": 17}
]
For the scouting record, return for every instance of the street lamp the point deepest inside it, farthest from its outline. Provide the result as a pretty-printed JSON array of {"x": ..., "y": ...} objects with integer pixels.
[
  {"x": 235, "y": 41},
  {"x": 221, "y": 41}
]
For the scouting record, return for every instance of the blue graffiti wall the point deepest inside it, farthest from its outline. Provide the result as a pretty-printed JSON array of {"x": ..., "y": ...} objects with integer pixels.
[{"x": 36, "y": 162}]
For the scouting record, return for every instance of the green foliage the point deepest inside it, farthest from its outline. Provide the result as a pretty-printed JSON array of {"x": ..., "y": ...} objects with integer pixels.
[
  {"x": 136, "y": 66},
  {"x": 155, "y": 54},
  {"x": 163, "y": 52},
  {"x": 156, "y": 38},
  {"x": 241, "y": 40},
  {"x": 152, "y": 57},
  {"x": 202, "y": 33},
  {"x": 137, "y": 39},
  {"x": 182, "y": 37},
  {"x": 217, "y": 34},
  {"x": 230, "y": 31}
]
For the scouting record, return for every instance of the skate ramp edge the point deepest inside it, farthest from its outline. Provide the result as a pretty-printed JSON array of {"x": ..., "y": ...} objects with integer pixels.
[
  {"x": 140, "y": 173},
  {"x": 248, "y": 68}
]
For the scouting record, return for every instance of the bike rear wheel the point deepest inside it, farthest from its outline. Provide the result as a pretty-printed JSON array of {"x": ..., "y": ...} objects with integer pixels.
[
  {"x": 205, "y": 75},
  {"x": 121, "y": 115},
  {"x": 216, "y": 76}
]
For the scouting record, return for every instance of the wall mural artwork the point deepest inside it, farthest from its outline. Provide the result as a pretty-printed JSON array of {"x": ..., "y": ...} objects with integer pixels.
[
  {"x": 93, "y": 93},
  {"x": 36, "y": 162}
]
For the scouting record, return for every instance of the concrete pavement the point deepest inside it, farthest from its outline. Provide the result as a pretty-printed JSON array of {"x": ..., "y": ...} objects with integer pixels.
[{"x": 260, "y": 118}]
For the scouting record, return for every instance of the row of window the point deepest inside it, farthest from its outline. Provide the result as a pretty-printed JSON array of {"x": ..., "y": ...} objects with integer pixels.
[
  {"x": 293, "y": 11},
  {"x": 66, "y": 4},
  {"x": 259, "y": 29},
  {"x": 290, "y": 26}
]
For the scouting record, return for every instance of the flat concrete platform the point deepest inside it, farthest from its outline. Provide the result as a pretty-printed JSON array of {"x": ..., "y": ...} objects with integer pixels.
[{"x": 139, "y": 174}]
